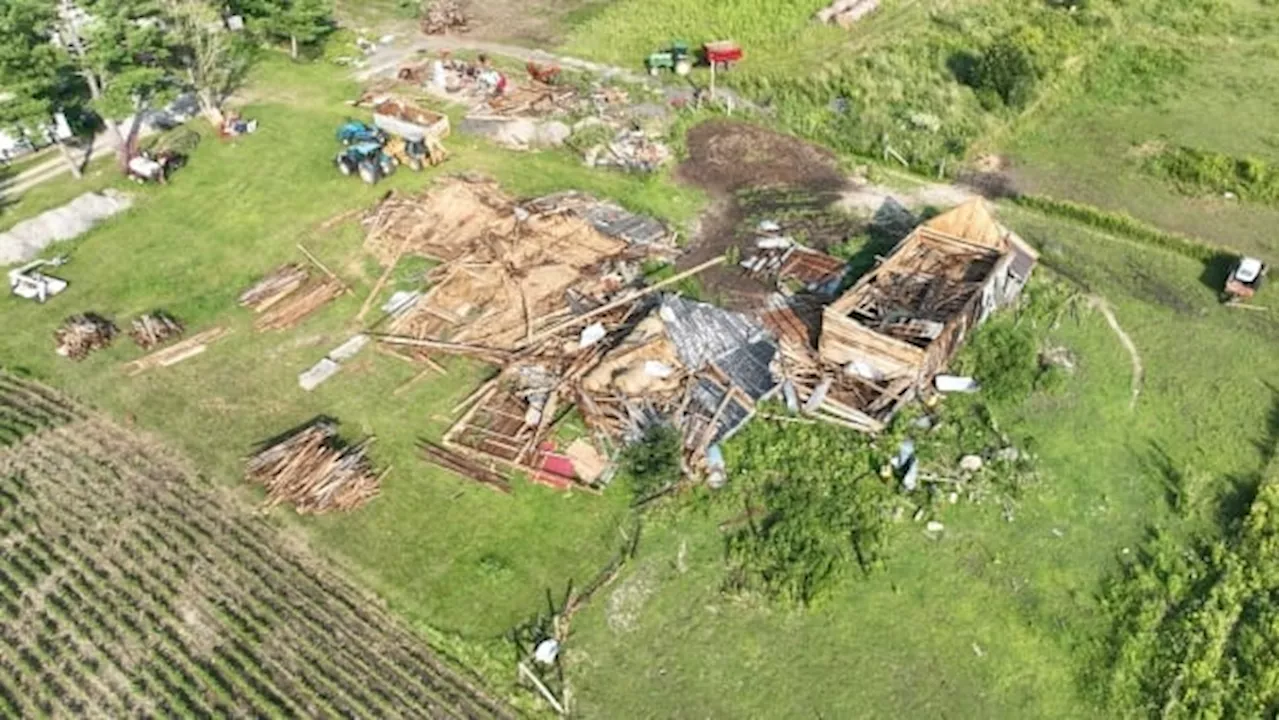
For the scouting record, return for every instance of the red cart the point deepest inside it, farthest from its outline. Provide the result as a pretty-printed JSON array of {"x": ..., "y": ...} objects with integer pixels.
[{"x": 722, "y": 55}]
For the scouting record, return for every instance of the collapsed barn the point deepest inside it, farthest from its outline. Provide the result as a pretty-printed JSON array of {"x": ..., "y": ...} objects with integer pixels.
[{"x": 552, "y": 292}]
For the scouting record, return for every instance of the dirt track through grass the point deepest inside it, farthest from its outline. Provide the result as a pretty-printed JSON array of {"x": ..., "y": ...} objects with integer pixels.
[
  {"x": 1135, "y": 384},
  {"x": 129, "y": 588}
]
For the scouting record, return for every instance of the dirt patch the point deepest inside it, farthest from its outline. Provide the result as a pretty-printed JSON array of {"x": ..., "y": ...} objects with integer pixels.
[
  {"x": 532, "y": 22},
  {"x": 755, "y": 173},
  {"x": 725, "y": 155},
  {"x": 622, "y": 609}
]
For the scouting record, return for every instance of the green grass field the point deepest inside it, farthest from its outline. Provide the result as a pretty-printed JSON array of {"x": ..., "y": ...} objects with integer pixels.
[
  {"x": 995, "y": 619},
  {"x": 1087, "y": 144},
  {"x": 444, "y": 553}
]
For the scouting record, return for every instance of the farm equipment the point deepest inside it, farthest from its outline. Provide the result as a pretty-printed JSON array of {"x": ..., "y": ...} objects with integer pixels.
[
  {"x": 676, "y": 58},
  {"x": 28, "y": 282},
  {"x": 366, "y": 159},
  {"x": 352, "y": 132},
  {"x": 157, "y": 163},
  {"x": 414, "y": 132},
  {"x": 1245, "y": 279},
  {"x": 721, "y": 55}
]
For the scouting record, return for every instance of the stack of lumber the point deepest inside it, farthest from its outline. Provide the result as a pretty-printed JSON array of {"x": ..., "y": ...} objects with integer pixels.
[
  {"x": 177, "y": 352},
  {"x": 82, "y": 334},
  {"x": 312, "y": 470},
  {"x": 298, "y": 305},
  {"x": 154, "y": 329},
  {"x": 464, "y": 466},
  {"x": 274, "y": 287},
  {"x": 440, "y": 16}
]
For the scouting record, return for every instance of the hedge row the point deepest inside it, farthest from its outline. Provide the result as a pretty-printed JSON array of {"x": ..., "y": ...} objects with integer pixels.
[{"x": 1123, "y": 224}]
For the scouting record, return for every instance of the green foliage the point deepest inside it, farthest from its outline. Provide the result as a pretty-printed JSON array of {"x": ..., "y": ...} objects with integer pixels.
[
  {"x": 810, "y": 523},
  {"x": 1122, "y": 224},
  {"x": 301, "y": 23},
  {"x": 129, "y": 52},
  {"x": 32, "y": 69},
  {"x": 1002, "y": 356},
  {"x": 1006, "y": 71},
  {"x": 653, "y": 463},
  {"x": 1193, "y": 624},
  {"x": 1196, "y": 172}
]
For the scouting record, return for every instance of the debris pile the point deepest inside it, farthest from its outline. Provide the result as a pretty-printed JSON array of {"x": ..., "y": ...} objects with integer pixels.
[
  {"x": 83, "y": 334},
  {"x": 154, "y": 329},
  {"x": 795, "y": 266},
  {"x": 846, "y": 13},
  {"x": 311, "y": 469},
  {"x": 441, "y": 16},
  {"x": 508, "y": 272},
  {"x": 274, "y": 287},
  {"x": 176, "y": 352},
  {"x": 631, "y": 150}
]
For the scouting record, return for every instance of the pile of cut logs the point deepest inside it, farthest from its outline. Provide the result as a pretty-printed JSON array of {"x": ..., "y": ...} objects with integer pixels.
[
  {"x": 82, "y": 334},
  {"x": 312, "y": 470},
  {"x": 154, "y": 329}
]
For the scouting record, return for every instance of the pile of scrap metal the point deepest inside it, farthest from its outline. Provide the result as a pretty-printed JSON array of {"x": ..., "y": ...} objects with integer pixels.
[{"x": 883, "y": 342}]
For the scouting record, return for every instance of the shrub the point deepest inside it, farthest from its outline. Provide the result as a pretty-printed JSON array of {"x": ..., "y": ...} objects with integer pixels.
[
  {"x": 1006, "y": 70},
  {"x": 653, "y": 463},
  {"x": 810, "y": 523},
  {"x": 1196, "y": 172},
  {"x": 1002, "y": 356}
]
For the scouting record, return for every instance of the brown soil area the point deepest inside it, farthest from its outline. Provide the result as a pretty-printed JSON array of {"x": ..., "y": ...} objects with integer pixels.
[{"x": 732, "y": 160}]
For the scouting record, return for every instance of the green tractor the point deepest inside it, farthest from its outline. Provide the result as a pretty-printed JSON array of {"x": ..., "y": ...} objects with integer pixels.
[{"x": 677, "y": 59}]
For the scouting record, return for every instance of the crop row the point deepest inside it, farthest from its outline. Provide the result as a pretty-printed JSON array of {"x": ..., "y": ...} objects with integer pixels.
[{"x": 128, "y": 589}]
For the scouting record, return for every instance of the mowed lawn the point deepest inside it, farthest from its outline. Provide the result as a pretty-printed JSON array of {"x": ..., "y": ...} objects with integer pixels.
[
  {"x": 997, "y": 618},
  {"x": 447, "y": 554}
]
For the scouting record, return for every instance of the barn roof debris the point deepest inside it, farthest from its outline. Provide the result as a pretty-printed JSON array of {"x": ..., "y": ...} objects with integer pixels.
[{"x": 550, "y": 291}]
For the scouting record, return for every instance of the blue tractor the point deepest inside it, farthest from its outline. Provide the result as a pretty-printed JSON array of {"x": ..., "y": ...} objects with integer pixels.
[
  {"x": 366, "y": 159},
  {"x": 354, "y": 131}
]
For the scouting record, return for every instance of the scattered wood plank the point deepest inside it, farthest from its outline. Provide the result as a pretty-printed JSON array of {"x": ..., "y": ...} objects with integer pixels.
[
  {"x": 464, "y": 466},
  {"x": 177, "y": 352}
]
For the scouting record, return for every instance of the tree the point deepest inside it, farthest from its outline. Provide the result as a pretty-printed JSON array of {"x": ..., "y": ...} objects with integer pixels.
[
  {"x": 213, "y": 60},
  {"x": 121, "y": 50},
  {"x": 301, "y": 22},
  {"x": 34, "y": 72},
  {"x": 1006, "y": 70}
]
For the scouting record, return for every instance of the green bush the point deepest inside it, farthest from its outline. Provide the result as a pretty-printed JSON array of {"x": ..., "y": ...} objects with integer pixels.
[
  {"x": 1197, "y": 172},
  {"x": 1006, "y": 70},
  {"x": 810, "y": 523},
  {"x": 1193, "y": 623},
  {"x": 1002, "y": 356},
  {"x": 653, "y": 463}
]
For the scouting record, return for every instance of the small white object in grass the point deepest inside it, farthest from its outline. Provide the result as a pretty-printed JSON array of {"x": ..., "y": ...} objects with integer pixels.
[
  {"x": 971, "y": 463},
  {"x": 317, "y": 374},
  {"x": 977, "y": 650},
  {"x": 934, "y": 526},
  {"x": 770, "y": 226},
  {"x": 955, "y": 383},
  {"x": 547, "y": 651}
]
